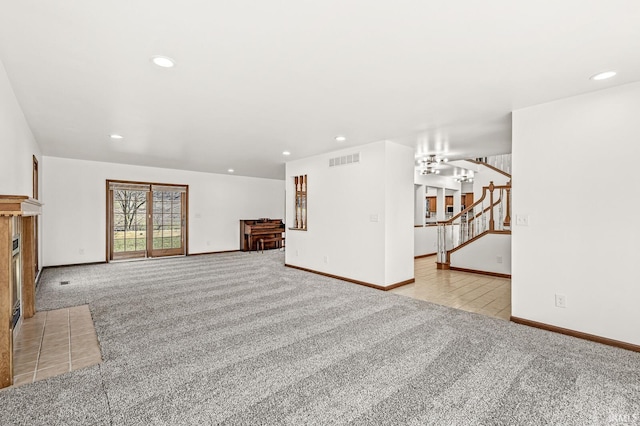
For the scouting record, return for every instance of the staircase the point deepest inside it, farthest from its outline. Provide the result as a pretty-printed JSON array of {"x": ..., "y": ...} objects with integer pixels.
[{"x": 478, "y": 239}]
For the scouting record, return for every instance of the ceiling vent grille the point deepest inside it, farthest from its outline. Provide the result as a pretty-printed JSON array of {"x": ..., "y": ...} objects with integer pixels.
[{"x": 344, "y": 160}]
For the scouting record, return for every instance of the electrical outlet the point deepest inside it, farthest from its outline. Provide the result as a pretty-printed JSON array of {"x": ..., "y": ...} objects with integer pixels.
[
  {"x": 522, "y": 220},
  {"x": 561, "y": 301},
  {"x": 499, "y": 259},
  {"x": 81, "y": 251},
  {"x": 373, "y": 217}
]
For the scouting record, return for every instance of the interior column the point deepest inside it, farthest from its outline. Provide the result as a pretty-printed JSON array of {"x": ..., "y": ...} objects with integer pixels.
[
  {"x": 420, "y": 205},
  {"x": 441, "y": 209},
  {"x": 6, "y": 307},
  {"x": 27, "y": 251}
]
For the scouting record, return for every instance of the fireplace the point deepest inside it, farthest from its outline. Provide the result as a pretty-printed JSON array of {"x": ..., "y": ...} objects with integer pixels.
[{"x": 18, "y": 214}]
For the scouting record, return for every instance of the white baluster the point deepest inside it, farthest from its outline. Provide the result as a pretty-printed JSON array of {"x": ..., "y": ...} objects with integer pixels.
[
  {"x": 440, "y": 243},
  {"x": 501, "y": 211}
]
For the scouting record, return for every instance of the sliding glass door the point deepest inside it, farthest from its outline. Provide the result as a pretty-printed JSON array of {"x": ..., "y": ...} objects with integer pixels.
[
  {"x": 168, "y": 223},
  {"x": 129, "y": 223},
  {"x": 145, "y": 220}
]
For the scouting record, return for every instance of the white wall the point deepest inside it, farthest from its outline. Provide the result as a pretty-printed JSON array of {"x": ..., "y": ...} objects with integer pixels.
[
  {"x": 17, "y": 148},
  {"x": 74, "y": 227},
  {"x": 353, "y": 210},
  {"x": 466, "y": 187},
  {"x": 17, "y": 144},
  {"x": 571, "y": 246},
  {"x": 398, "y": 213},
  {"x": 436, "y": 181},
  {"x": 425, "y": 240},
  {"x": 490, "y": 253}
]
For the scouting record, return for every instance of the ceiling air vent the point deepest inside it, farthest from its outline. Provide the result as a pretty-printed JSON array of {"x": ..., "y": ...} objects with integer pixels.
[{"x": 344, "y": 160}]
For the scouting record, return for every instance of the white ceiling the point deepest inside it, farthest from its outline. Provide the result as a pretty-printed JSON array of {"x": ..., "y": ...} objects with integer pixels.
[{"x": 256, "y": 77}]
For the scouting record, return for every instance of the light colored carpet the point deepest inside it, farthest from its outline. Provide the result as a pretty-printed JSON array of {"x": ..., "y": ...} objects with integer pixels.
[{"x": 239, "y": 339}]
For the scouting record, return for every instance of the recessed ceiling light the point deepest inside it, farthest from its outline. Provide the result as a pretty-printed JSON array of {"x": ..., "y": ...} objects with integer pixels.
[
  {"x": 603, "y": 75},
  {"x": 341, "y": 138},
  {"x": 115, "y": 136},
  {"x": 163, "y": 61},
  {"x": 286, "y": 153},
  {"x": 230, "y": 170}
]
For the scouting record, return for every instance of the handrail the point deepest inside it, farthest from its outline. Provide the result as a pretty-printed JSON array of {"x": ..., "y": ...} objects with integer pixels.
[
  {"x": 470, "y": 228},
  {"x": 488, "y": 207},
  {"x": 491, "y": 187},
  {"x": 495, "y": 169},
  {"x": 466, "y": 210}
]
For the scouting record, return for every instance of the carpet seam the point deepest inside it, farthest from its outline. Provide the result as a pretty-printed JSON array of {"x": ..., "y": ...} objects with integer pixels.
[{"x": 106, "y": 395}]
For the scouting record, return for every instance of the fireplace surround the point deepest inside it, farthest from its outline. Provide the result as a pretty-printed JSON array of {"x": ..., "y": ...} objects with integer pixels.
[{"x": 17, "y": 272}]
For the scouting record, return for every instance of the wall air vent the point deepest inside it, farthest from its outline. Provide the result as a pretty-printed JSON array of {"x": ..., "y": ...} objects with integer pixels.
[{"x": 344, "y": 160}]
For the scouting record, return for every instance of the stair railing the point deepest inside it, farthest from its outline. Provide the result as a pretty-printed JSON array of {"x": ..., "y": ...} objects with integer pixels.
[
  {"x": 500, "y": 162},
  {"x": 492, "y": 212}
]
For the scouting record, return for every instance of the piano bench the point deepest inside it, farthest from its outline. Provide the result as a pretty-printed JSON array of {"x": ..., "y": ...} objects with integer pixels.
[{"x": 261, "y": 241}]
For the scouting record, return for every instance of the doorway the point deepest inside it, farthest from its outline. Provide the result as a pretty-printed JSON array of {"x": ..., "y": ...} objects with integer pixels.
[
  {"x": 146, "y": 220},
  {"x": 36, "y": 196}
]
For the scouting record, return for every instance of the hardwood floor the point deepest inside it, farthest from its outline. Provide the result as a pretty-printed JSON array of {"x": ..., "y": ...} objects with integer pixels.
[{"x": 478, "y": 293}]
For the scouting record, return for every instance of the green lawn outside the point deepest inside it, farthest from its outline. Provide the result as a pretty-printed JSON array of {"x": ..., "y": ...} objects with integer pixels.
[{"x": 137, "y": 240}]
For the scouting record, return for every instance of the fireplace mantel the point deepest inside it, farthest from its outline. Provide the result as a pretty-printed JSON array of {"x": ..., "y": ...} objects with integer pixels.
[{"x": 19, "y": 205}]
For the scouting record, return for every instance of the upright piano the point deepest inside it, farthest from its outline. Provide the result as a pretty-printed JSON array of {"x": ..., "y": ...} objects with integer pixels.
[{"x": 270, "y": 231}]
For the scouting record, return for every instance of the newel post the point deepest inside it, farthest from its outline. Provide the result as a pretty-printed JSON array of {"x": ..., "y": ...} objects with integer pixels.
[{"x": 507, "y": 218}]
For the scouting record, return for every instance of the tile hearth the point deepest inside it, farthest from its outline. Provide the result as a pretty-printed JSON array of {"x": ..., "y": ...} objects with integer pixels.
[{"x": 54, "y": 342}]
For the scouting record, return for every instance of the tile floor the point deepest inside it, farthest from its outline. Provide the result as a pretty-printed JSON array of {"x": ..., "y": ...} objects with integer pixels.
[
  {"x": 478, "y": 293},
  {"x": 54, "y": 342}
]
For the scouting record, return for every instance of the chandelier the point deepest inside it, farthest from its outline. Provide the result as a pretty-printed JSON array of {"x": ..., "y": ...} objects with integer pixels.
[
  {"x": 432, "y": 160},
  {"x": 430, "y": 164},
  {"x": 430, "y": 171}
]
